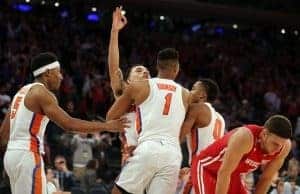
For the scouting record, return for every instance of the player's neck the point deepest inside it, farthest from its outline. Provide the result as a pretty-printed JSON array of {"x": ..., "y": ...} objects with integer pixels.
[
  {"x": 40, "y": 80},
  {"x": 164, "y": 75}
]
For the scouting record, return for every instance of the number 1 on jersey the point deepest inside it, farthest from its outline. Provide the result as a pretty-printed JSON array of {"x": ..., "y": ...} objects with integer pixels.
[{"x": 168, "y": 99}]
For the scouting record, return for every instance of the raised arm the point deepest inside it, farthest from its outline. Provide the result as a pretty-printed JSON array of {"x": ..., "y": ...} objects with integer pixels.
[
  {"x": 115, "y": 73},
  {"x": 270, "y": 170},
  {"x": 49, "y": 106},
  {"x": 241, "y": 139}
]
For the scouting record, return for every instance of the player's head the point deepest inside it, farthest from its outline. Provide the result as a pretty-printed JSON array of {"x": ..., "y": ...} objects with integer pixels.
[
  {"x": 137, "y": 73},
  {"x": 46, "y": 66},
  {"x": 168, "y": 63},
  {"x": 277, "y": 129},
  {"x": 205, "y": 90}
]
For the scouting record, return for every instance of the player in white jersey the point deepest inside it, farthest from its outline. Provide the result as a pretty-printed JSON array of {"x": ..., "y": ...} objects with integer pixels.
[
  {"x": 25, "y": 123},
  {"x": 161, "y": 105},
  {"x": 203, "y": 124},
  {"x": 135, "y": 73}
]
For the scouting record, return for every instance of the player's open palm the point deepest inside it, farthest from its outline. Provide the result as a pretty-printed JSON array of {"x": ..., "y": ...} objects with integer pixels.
[
  {"x": 119, "y": 20},
  {"x": 117, "y": 125}
]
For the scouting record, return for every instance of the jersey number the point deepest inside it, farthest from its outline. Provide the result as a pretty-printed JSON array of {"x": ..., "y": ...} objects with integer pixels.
[
  {"x": 168, "y": 99},
  {"x": 217, "y": 129}
]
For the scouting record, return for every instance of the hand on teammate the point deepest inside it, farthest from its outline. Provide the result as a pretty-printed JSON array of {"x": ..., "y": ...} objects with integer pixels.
[
  {"x": 117, "y": 125},
  {"x": 184, "y": 172},
  {"x": 119, "y": 20}
]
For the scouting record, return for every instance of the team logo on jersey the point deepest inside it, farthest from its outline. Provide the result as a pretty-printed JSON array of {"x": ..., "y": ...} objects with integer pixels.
[{"x": 252, "y": 163}]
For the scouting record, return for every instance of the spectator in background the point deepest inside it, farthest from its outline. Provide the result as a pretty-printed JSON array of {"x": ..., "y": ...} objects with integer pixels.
[
  {"x": 294, "y": 188},
  {"x": 279, "y": 187},
  {"x": 64, "y": 175},
  {"x": 52, "y": 182},
  {"x": 89, "y": 178},
  {"x": 83, "y": 152},
  {"x": 293, "y": 171}
]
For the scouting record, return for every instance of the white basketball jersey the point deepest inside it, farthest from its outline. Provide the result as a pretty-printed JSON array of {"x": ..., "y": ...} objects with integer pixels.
[
  {"x": 131, "y": 133},
  {"x": 26, "y": 127},
  {"x": 200, "y": 138},
  {"x": 161, "y": 115}
]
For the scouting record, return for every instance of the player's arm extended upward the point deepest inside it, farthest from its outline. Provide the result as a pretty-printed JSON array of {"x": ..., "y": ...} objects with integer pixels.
[
  {"x": 115, "y": 74},
  {"x": 243, "y": 140}
]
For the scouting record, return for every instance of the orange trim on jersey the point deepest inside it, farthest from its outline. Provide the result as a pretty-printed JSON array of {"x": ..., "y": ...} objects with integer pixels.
[
  {"x": 34, "y": 130},
  {"x": 217, "y": 129},
  {"x": 37, "y": 175},
  {"x": 15, "y": 107},
  {"x": 138, "y": 121},
  {"x": 166, "y": 87}
]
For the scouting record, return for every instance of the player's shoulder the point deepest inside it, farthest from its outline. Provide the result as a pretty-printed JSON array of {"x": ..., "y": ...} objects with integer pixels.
[
  {"x": 199, "y": 107},
  {"x": 39, "y": 89},
  {"x": 243, "y": 133},
  {"x": 40, "y": 92}
]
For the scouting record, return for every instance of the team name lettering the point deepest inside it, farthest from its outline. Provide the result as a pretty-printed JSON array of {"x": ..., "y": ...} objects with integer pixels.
[
  {"x": 15, "y": 107},
  {"x": 252, "y": 163},
  {"x": 166, "y": 87}
]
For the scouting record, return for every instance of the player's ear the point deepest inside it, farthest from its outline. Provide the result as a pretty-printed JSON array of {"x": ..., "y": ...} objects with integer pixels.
[{"x": 47, "y": 73}]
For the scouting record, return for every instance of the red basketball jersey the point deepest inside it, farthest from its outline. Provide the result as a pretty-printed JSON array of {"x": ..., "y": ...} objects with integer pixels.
[{"x": 211, "y": 157}]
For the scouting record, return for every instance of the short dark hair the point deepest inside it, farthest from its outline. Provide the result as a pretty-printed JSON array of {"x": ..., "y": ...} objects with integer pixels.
[
  {"x": 42, "y": 59},
  {"x": 167, "y": 58},
  {"x": 279, "y": 125},
  {"x": 212, "y": 89}
]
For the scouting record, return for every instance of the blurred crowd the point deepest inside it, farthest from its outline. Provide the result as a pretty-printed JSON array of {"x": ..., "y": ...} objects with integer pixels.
[{"x": 257, "y": 69}]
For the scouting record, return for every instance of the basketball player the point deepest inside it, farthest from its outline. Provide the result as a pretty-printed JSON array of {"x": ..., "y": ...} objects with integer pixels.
[
  {"x": 219, "y": 168},
  {"x": 32, "y": 107},
  {"x": 203, "y": 124},
  {"x": 138, "y": 72},
  {"x": 161, "y": 105}
]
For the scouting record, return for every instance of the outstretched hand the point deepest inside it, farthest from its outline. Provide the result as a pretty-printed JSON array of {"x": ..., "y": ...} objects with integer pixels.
[
  {"x": 119, "y": 20},
  {"x": 117, "y": 125}
]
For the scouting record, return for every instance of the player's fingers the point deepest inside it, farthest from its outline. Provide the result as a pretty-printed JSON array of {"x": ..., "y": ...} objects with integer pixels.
[{"x": 124, "y": 19}]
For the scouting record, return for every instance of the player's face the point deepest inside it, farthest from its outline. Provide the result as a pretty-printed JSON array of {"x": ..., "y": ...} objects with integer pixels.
[
  {"x": 138, "y": 73},
  {"x": 55, "y": 78},
  {"x": 198, "y": 92},
  {"x": 271, "y": 143}
]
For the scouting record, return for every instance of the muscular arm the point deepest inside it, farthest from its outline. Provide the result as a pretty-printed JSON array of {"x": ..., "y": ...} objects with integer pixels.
[
  {"x": 189, "y": 121},
  {"x": 122, "y": 104},
  {"x": 270, "y": 170},
  {"x": 4, "y": 130},
  {"x": 243, "y": 140},
  {"x": 50, "y": 107},
  {"x": 115, "y": 73},
  {"x": 198, "y": 116}
]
